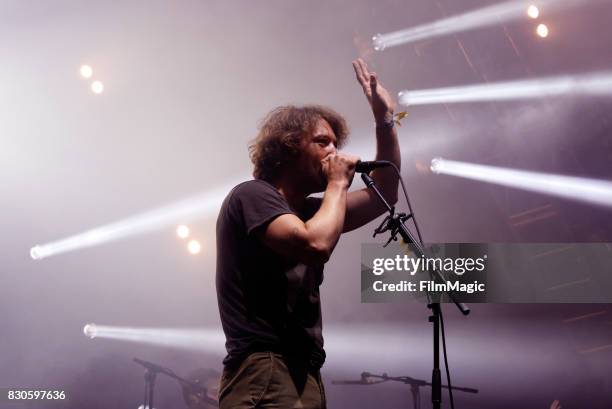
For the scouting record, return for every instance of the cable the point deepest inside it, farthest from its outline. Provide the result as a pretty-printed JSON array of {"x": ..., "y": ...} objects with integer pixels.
[
  {"x": 448, "y": 378},
  {"x": 399, "y": 175}
]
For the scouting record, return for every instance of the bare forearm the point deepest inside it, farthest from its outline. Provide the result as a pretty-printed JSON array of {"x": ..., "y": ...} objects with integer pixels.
[
  {"x": 387, "y": 148},
  {"x": 325, "y": 227}
]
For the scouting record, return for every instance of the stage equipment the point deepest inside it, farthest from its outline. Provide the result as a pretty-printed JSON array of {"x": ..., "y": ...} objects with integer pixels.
[
  {"x": 394, "y": 223},
  {"x": 197, "y": 207},
  {"x": 368, "y": 166},
  {"x": 203, "y": 388},
  {"x": 592, "y": 84},
  {"x": 542, "y": 30},
  {"x": 151, "y": 371},
  {"x": 593, "y": 191},
  {"x": 90, "y": 330},
  {"x": 194, "y": 247},
  {"x": 415, "y": 384},
  {"x": 86, "y": 71},
  {"x": 97, "y": 87},
  {"x": 204, "y": 340},
  {"x": 533, "y": 11},
  {"x": 479, "y": 18},
  {"x": 182, "y": 231}
]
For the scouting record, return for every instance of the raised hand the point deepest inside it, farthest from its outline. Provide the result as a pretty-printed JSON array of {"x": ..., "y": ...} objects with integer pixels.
[{"x": 383, "y": 105}]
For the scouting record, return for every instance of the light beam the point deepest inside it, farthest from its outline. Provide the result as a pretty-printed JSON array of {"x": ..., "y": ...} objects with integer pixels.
[
  {"x": 479, "y": 18},
  {"x": 597, "y": 84},
  {"x": 200, "y": 206},
  {"x": 593, "y": 191},
  {"x": 204, "y": 340},
  {"x": 384, "y": 346}
]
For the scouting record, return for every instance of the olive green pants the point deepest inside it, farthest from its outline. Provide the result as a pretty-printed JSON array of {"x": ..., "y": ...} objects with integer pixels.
[{"x": 269, "y": 380}]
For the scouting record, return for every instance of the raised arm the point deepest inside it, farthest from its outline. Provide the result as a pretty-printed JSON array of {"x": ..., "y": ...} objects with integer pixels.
[{"x": 362, "y": 205}]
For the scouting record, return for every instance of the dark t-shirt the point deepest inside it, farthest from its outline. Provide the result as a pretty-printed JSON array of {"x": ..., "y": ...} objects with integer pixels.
[{"x": 267, "y": 302}]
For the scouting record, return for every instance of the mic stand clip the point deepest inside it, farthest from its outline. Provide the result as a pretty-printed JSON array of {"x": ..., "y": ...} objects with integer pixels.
[{"x": 392, "y": 223}]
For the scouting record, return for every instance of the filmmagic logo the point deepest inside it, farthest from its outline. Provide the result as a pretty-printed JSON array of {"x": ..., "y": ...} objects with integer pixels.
[
  {"x": 411, "y": 265},
  {"x": 429, "y": 286}
]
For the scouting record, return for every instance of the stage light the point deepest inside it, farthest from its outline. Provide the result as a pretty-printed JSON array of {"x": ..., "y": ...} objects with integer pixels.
[
  {"x": 587, "y": 84},
  {"x": 86, "y": 71},
  {"x": 205, "y": 340},
  {"x": 379, "y": 42},
  {"x": 533, "y": 11},
  {"x": 194, "y": 247},
  {"x": 435, "y": 162},
  {"x": 97, "y": 87},
  {"x": 182, "y": 231},
  {"x": 479, "y": 18},
  {"x": 36, "y": 253},
  {"x": 593, "y": 191},
  {"x": 350, "y": 346},
  {"x": 542, "y": 30},
  {"x": 197, "y": 207},
  {"x": 90, "y": 330}
]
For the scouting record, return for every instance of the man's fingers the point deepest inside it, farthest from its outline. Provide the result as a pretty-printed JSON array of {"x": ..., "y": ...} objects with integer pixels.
[
  {"x": 373, "y": 81},
  {"x": 363, "y": 76},
  {"x": 364, "y": 68},
  {"x": 359, "y": 74},
  {"x": 351, "y": 159}
]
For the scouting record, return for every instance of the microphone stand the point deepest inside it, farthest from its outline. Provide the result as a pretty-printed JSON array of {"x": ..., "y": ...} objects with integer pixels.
[
  {"x": 395, "y": 222},
  {"x": 415, "y": 384},
  {"x": 151, "y": 371}
]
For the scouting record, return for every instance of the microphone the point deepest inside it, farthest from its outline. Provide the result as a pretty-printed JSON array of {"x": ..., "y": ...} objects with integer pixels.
[{"x": 368, "y": 166}]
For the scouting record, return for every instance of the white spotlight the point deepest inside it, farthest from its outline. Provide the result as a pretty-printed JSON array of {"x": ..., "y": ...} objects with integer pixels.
[
  {"x": 90, "y": 330},
  {"x": 378, "y": 42},
  {"x": 86, "y": 71},
  {"x": 435, "y": 163},
  {"x": 97, "y": 87},
  {"x": 598, "y": 83},
  {"x": 542, "y": 30},
  {"x": 35, "y": 252},
  {"x": 201, "y": 206},
  {"x": 182, "y": 231},
  {"x": 592, "y": 191},
  {"x": 533, "y": 11},
  {"x": 194, "y": 247},
  {"x": 474, "y": 19},
  {"x": 206, "y": 340}
]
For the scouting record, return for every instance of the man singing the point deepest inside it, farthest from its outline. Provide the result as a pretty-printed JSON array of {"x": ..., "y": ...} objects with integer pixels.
[{"x": 273, "y": 240}]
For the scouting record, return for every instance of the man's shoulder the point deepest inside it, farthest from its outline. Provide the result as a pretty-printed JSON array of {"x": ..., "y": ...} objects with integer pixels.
[
  {"x": 252, "y": 203},
  {"x": 254, "y": 187},
  {"x": 251, "y": 191}
]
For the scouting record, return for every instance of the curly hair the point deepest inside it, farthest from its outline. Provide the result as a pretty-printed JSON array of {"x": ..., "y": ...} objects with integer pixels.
[{"x": 281, "y": 133}]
